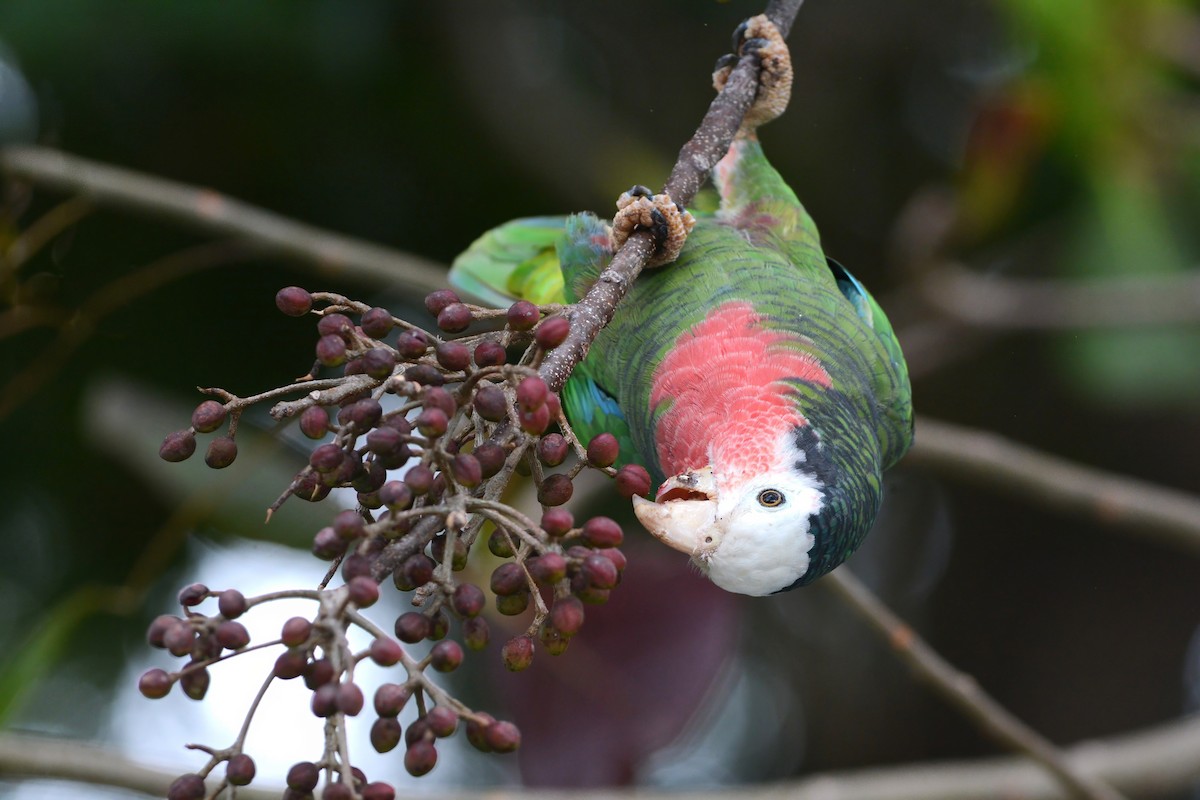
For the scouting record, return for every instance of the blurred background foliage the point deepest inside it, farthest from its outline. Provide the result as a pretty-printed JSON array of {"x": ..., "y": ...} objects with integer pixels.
[{"x": 1027, "y": 139}]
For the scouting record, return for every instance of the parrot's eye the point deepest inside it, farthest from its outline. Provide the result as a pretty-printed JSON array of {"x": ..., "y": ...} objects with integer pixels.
[{"x": 770, "y": 498}]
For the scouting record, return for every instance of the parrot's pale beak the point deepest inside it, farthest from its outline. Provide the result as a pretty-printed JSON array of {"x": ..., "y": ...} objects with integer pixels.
[{"x": 684, "y": 516}]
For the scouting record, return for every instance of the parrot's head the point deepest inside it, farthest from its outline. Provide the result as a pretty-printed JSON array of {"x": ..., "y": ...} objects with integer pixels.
[{"x": 756, "y": 532}]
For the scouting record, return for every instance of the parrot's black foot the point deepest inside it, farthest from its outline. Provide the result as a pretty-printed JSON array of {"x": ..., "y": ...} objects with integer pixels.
[
  {"x": 666, "y": 220},
  {"x": 758, "y": 36}
]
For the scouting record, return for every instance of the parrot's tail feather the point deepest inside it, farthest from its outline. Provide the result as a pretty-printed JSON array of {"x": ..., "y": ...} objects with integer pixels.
[{"x": 516, "y": 261}]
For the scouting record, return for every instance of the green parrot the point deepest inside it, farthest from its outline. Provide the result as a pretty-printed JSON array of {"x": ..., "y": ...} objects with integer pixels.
[{"x": 758, "y": 381}]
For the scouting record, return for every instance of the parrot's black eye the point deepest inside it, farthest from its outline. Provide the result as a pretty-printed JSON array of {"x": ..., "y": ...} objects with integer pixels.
[{"x": 770, "y": 498}]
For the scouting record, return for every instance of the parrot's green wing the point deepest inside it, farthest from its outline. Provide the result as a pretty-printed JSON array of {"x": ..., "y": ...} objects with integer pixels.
[
  {"x": 516, "y": 261},
  {"x": 891, "y": 385},
  {"x": 520, "y": 261}
]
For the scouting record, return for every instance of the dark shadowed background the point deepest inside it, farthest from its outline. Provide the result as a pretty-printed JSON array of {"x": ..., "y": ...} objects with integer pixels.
[{"x": 1022, "y": 139}]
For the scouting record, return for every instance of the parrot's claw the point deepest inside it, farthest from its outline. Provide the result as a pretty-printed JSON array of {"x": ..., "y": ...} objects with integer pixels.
[
  {"x": 667, "y": 221},
  {"x": 759, "y": 37}
]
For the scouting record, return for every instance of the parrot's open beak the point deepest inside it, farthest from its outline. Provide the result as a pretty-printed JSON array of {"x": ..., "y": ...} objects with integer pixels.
[{"x": 684, "y": 515}]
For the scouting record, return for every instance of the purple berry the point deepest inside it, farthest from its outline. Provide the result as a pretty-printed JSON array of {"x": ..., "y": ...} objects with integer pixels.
[
  {"x": 602, "y": 450},
  {"x": 314, "y": 422},
  {"x": 378, "y": 362},
  {"x": 436, "y": 302},
  {"x": 192, "y": 595},
  {"x": 293, "y": 301},
  {"x": 454, "y": 318},
  {"x": 547, "y": 569},
  {"x": 377, "y": 323},
  {"x": 420, "y": 758},
  {"x": 385, "y": 734},
  {"x": 390, "y": 699},
  {"x": 475, "y": 633},
  {"x": 155, "y": 683},
  {"x": 555, "y": 490},
  {"x": 412, "y": 344},
  {"x": 221, "y": 452},
  {"x": 601, "y": 532},
  {"x": 187, "y": 787},
  {"x": 552, "y": 332},
  {"x": 489, "y": 402},
  {"x": 296, "y": 631},
  {"x": 633, "y": 479},
  {"x": 303, "y": 776},
  {"x": 232, "y": 635},
  {"x": 446, "y": 656},
  {"x": 239, "y": 770},
  {"x": 468, "y": 600},
  {"x": 453, "y": 356},
  {"x": 557, "y": 521},
  {"x": 177, "y": 446},
  {"x": 362, "y": 591},
  {"x": 490, "y": 354},
  {"x": 412, "y": 627},
  {"x": 331, "y": 350},
  {"x": 517, "y": 653},
  {"x": 208, "y": 416},
  {"x": 531, "y": 393},
  {"x": 553, "y": 448},
  {"x": 349, "y": 699},
  {"x": 503, "y": 737},
  {"x": 522, "y": 315},
  {"x": 566, "y": 615},
  {"x": 442, "y": 721}
]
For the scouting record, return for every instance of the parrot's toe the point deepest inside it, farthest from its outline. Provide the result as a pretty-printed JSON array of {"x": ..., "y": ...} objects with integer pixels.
[
  {"x": 664, "y": 219},
  {"x": 759, "y": 37}
]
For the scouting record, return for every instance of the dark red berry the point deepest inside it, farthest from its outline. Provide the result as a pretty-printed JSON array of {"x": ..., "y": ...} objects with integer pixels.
[
  {"x": 355, "y": 565},
  {"x": 290, "y": 665},
  {"x": 157, "y": 630},
  {"x": 616, "y": 556},
  {"x": 231, "y": 603},
  {"x": 552, "y": 449},
  {"x": 436, "y": 301},
  {"x": 349, "y": 699},
  {"x": 517, "y": 653},
  {"x": 364, "y": 414},
  {"x": 446, "y": 656},
  {"x": 195, "y": 682},
  {"x": 177, "y": 446},
  {"x": 475, "y": 633},
  {"x": 552, "y": 332},
  {"x": 396, "y": 495},
  {"x": 385, "y": 734},
  {"x": 221, "y": 452},
  {"x": 491, "y": 458},
  {"x": 442, "y": 721},
  {"x": 454, "y": 318},
  {"x": 296, "y": 631},
  {"x": 331, "y": 350},
  {"x": 600, "y": 572},
  {"x": 179, "y": 639},
  {"x": 453, "y": 355},
  {"x": 232, "y": 635},
  {"x": 412, "y": 627},
  {"x": 490, "y": 403},
  {"x": 325, "y": 700},
  {"x": 490, "y": 354},
  {"x": 467, "y": 470},
  {"x": 327, "y": 545},
  {"x": 507, "y": 579},
  {"x": 419, "y": 479},
  {"x": 566, "y": 615},
  {"x": 318, "y": 673},
  {"x": 420, "y": 758},
  {"x": 412, "y": 344},
  {"x": 193, "y": 594},
  {"x": 186, "y": 787},
  {"x": 378, "y": 362},
  {"x": 601, "y": 532},
  {"x": 602, "y": 450},
  {"x": 633, "y": 479},
  {"x": 477, "y": 731},
  {"x": 425, "y": 375},
  {"x": 468, "y": 600},
  {"x": 553, "y": 405},
  {"x": 432, "y": 422},
  {"x": 522, "y": 315},
  {"x": 293, "y": 301},
  {"x": 531, "y": 393},
  {"x": 390, "y": 699},
  {"x": 314, "y": 422},
  {"x": 385, "y": 652},
  {"x": 418, "y": 569},
  {"x": 557, "y": 521},
  {"x": 547, "y": 569},
  {"x": 378, "y": 790},
  {"x": 303, "y": 776},
  {"x": 326, "y": 458},
  {"x": 208, "y": 416},
  {"x": 503, "y": 737},
  {"x": 155, "y": 683},
  {"x": 334, "y": 325},
  {"x": 362, "y": 591},
  {"x": 239, "y": 770},
  {"x": 555, "y": 490},
  {"x": 535, "y": 421},
  {"x": 377, "y": 323}
]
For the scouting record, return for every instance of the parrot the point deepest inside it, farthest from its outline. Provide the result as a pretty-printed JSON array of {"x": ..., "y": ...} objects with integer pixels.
[{"x": 757, "y": 380}]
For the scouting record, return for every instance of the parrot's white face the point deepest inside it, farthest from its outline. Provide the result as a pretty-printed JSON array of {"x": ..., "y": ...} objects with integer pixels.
[{"x": 748, "y": 536}]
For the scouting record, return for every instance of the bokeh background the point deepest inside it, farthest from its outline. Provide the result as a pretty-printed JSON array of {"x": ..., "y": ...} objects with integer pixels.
[{"x": 1015, "y": 139}]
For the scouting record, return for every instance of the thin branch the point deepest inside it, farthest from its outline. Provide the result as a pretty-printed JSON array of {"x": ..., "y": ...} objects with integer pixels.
[
  {"x": 993, "y": 462},
  {"x": 208, "y": 211},
  {"x": 961, "y": 689},
  {"x": 1056, "y": 304},
  {"x": 696, "y": 159},
  {"x": 1151, "y": 762}
]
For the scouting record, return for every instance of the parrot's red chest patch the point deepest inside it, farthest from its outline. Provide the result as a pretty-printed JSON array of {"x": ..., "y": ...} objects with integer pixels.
[{"x": 726, "y": 396}]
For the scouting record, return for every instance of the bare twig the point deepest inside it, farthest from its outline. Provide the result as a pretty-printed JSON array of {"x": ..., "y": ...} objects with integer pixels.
[
  {"x": 962, "y": 690},
  {"x": 994, "y": 462},
  {"x": 210, "y": 212},
  {"x": 1055, "y": 304},
  {"x": 1149, "y": 763}
]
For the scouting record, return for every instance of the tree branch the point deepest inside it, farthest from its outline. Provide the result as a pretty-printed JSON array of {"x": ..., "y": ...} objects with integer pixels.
[
  {"x": 1150, "y": 762},
  {"x": 991, "y": 461},
  {"x": 207, "y": 211}
]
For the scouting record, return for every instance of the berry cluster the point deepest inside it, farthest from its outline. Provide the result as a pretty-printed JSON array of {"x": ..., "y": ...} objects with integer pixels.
[{"x": 428, "y": 431}]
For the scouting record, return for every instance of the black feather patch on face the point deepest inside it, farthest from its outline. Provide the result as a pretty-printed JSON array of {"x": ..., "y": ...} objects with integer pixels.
[{"x": 817, "y": 461}]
